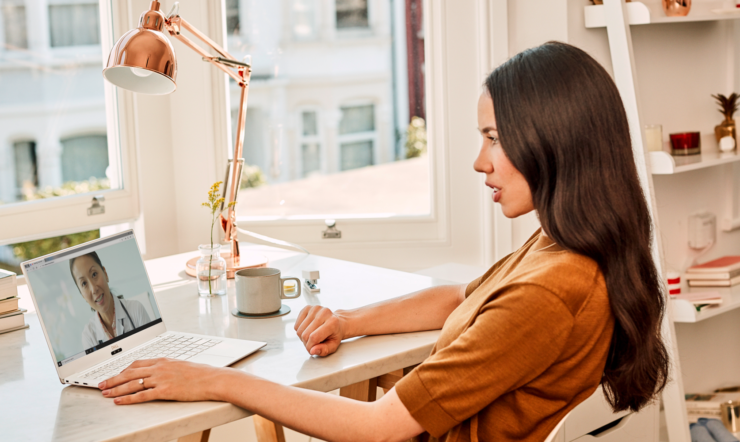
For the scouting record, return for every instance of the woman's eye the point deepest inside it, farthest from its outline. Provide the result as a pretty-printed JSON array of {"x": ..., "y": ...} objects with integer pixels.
[
  {"x": 95, "y": 274},
  {"x": 84, "y": 284},
  {"x": 494, "y": 140}
]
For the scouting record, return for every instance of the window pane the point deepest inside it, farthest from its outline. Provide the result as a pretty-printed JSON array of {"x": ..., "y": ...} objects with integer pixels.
[
  {"x": 351, "y": 14},
  {"x": 311, "y": 159},
  {"x": 48, "y": 96},
  {"x": 14, "y": 23},
  {"x": 309, "y": 123},
  {"x": 304, "y": 19},
  {"x": 356, "y": 155},
  {"x": 329, "y": 116},
  {"x": 74, "y": 25},
  {"x": 84, "y": 157},
  {"x": 232, "y": 17},
  {"x": 357, "y": 119}
]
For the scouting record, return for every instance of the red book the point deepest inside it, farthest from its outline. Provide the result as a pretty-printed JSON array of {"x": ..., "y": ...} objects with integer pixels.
[{"x": 724, "y": 264}]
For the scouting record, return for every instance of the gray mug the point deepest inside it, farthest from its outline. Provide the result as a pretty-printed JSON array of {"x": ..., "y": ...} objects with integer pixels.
[{"x": 259, "y": 291}]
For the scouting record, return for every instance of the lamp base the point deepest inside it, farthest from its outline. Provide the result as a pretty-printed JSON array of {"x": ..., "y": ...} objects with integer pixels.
[{"x": 250, "y": 261}]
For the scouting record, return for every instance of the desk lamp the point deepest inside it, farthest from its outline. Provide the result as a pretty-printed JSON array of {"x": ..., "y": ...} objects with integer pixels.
[{"x": 143, "y": 60}]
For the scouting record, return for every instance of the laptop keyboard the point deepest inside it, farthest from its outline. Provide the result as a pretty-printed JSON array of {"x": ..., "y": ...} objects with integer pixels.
[{"x": 173, "y": 346}]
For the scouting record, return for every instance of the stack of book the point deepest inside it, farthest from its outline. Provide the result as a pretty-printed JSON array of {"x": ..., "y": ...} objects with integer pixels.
[
  {"x": 722, "y": 272},
  {"x": 11, "y": 317}
]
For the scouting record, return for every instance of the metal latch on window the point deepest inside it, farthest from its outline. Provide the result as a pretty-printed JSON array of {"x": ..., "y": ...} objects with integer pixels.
[
  {"x": 331, "y": 231},
  {"x": 97, "y": 207}
]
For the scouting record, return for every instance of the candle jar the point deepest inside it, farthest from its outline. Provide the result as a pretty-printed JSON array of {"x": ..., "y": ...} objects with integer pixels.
[
  {"x": 676, "y": 8},
  {"x": 211, "y": 271},
  {"x": 687, "y": 143},
  {"x": 653, "y": 137}
]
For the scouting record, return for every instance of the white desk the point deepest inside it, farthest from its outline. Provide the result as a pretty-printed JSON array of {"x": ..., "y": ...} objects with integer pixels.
[{"x": 35, "y": 406}]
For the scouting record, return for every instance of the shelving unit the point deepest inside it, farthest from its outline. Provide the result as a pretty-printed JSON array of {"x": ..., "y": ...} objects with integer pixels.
[
  {"x": 663, "y": 163},
  {"x": 617, "y": 17},
  {"x": 684, "y": 311},
  {"x": 649, "y": 12}
]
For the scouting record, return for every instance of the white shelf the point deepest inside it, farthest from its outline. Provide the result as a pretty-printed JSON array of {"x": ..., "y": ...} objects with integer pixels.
[
  {"x": 651, "y": 11},
  {"x": 663, "y": 163},
  {"x": 684, "y": 311}
]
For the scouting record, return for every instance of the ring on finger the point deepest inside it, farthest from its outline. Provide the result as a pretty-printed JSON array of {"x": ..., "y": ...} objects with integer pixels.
[{"x": 141, "y": 382}]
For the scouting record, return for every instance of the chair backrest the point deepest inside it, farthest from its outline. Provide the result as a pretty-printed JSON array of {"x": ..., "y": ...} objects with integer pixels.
[{"x": 556, "y": 430}]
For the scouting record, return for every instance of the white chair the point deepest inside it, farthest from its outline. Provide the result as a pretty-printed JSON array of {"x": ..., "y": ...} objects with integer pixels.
[{"x": 554, "y": 433}]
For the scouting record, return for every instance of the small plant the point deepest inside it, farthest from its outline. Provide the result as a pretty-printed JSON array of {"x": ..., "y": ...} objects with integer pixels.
[
  {"x": 416, "y": 138},
  {"x": 215, "y": 200},
  {"x": 727, "y": 105}
]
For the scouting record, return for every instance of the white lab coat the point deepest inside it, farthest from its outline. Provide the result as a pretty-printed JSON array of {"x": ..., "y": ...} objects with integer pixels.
[{"x": 94, "y": 331}]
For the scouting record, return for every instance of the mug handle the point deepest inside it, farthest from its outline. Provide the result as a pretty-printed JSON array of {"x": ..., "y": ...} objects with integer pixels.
[{"x": 282, "y": 285}]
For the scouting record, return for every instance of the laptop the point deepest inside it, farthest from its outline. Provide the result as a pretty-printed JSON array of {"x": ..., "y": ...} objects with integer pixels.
[{"x": 97, "y": 309}]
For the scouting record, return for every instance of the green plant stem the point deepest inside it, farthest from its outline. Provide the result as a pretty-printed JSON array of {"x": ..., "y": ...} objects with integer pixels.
[{"x": 210, "y": 263}]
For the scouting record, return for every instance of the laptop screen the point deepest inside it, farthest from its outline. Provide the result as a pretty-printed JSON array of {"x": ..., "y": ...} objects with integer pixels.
[{"x": 92, "y": 296}]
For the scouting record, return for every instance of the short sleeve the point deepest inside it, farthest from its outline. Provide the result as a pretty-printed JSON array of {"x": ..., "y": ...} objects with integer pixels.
[
  {"x": 478, "y": 281},
  {"x": 513, "y": 339}
]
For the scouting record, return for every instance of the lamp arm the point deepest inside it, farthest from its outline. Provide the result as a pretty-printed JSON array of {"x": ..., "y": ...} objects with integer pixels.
[{"x": 174, "y": 23}]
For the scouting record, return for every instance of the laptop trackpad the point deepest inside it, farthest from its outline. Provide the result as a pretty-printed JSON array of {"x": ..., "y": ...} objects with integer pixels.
[
  {"x": 213, "y": 360},
  {"x": 233, "y": 349}
]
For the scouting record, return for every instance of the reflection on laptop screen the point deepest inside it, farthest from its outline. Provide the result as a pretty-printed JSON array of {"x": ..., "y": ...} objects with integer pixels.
[{"x": 93, "y": 296}]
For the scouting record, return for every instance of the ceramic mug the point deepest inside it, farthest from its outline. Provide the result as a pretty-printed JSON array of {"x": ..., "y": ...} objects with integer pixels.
[{"x": 259, "y": 291}]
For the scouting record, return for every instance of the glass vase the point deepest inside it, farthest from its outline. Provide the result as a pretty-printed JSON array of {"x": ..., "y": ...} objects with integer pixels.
[{"x": 211, "y": 271}]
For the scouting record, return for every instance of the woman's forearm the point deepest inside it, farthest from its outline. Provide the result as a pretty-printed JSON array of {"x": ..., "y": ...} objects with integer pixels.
[
  {"x": 321, "y": 415},
  {"x": 427, "y": 309}
]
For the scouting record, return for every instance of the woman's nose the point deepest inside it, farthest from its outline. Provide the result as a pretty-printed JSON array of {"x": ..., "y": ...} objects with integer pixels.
[{"x": 481, "y": 163}]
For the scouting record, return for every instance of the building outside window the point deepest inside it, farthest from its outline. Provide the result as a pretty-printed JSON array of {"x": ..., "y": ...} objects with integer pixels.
[
  {"x": 84, "y": 157},
  {"x": 310, "y": 143},
  {"x": 351, "y": 14},
  {"x": 76, "y": 24},
  {"x": 14, "y": 24},
  {"x": 357, "y": 136}
]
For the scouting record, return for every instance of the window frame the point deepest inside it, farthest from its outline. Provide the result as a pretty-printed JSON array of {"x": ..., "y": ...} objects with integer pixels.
[
  {"x": 24, "y": 221},
  {"x": 432, "y": 230}
]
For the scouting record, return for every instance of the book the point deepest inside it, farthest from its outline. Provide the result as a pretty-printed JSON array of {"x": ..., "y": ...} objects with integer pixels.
[
  {"x": 10, "y": 304},
  {"x": 8, "y": 330},
  {"x": 12, "y": 321},
  {"x": 7, "y": 284},
  {"x": 725, "y": 264},
  {"x": 718, "y": 275},
  {"x": 700, "y": 298},
  {"x": 714, "y": 282},
  {"x": 13, "y": 313}
]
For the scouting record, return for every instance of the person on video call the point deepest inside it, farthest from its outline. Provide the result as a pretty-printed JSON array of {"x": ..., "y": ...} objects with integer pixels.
[{"x": 113, "y": 317}]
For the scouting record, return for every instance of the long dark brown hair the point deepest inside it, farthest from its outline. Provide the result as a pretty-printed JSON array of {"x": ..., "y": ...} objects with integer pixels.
[{"x": 562, "y": 124}]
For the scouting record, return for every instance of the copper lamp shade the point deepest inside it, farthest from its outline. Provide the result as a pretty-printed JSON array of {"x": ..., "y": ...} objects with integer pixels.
[{"x": 143, "y": 59}]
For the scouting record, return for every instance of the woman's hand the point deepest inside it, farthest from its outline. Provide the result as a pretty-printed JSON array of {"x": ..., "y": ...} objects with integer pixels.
[
  {"x": 167, "y": 379},
  {"x": 320, "y": 329}
]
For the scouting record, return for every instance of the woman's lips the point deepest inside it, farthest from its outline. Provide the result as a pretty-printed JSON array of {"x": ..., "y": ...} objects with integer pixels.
[
  {"x": 496, "y": 194},
  {"x": 99, "y": 299}
]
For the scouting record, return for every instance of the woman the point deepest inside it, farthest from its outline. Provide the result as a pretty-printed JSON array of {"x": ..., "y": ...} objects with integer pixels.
[
  {"x": 578, "y": 306},
  {"x": 113, "y": 317}
]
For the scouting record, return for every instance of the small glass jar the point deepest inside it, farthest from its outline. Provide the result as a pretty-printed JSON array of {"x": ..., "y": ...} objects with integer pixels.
[{"x": 211, "y": 271}]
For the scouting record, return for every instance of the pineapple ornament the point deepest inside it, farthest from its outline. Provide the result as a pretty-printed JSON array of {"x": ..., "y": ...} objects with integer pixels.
[{"x": 728, "y": 106}]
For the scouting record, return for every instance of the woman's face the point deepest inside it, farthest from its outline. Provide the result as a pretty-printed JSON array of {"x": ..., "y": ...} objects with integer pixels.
[
  {"x": 92, "y": 280},
  {"x": 510, "y": 189}
]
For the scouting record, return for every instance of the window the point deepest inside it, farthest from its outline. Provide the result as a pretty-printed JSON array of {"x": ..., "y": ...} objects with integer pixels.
[
  {"x": 26, "y": 170},
  {"x": 14, "y": 24},
  {"x": 232, "y": 17},
  {"x": 74, "y": 25},
  {"x": 352, "y": 14},
  {"x": 60, "y": 131},
  {"x": 356, "y": 136},
  {"x": 304, "y": 19},
  {"x": 310, "y": 144}
]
